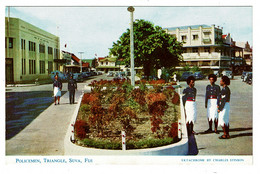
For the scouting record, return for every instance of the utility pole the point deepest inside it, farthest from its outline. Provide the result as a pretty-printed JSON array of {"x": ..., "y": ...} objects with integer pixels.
[
  {"x": 81, "y": 61},
  {"x": 131, "y": 10}
]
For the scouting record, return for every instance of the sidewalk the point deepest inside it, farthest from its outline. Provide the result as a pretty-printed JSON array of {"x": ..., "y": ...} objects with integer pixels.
[{"x": 45, "y": 135}]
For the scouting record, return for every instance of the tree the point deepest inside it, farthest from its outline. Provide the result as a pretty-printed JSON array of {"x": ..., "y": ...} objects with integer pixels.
[{"x": 153, "y": 47}]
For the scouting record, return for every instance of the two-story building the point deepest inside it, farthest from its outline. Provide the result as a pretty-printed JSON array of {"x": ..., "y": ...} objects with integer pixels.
[
  {"x": 204, "y": 46},
  {"x": 74, "y": 64},
  {"x": 106, "y": 64},
  {"x": 30, "y": 52},
  {"x": 247, "y": 52}
]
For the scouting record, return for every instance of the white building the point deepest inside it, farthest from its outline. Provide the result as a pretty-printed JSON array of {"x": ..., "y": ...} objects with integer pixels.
[{"x": 204, "y": 46}]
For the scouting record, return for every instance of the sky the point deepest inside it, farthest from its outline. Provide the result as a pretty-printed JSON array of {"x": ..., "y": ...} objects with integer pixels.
[{"x": 93, "y": 30}]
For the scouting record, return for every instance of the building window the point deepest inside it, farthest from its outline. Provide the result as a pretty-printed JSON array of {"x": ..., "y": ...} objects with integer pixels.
[
  {"x": 23, "y": 66},
  {"x": 42, "y": 67},
  {"x": 206, "y": 34},
  {"x": 22, "y": 44},
  {"x": 184, "y": 50},
  {"x": 56, "y": 53},
  {"x": 50, "y": 50},
  {"x": 42, "y": 48},
  {"x": 207, "y": 49},
  {"x": 184, "y": 38},
  {"x": 5, "y": 42},
  {"x": 32, "y": 67},
  {"x": 50, "y": 66},
  {"x": 11, "y": 42},
  {"x": 106, "y": 63},
  {"x": 195, "y": 37},
  {"x": 101, "y": 63},
  {"x": 195, "y": 50},
  {"x": 31, "y": 46}
]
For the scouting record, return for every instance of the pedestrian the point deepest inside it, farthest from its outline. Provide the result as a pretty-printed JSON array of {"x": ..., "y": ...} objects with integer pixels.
[
  {"x": 223, "y": 107},
  {"x": 72, "y": 86},
  {"x": 175, "y": 77},
  {"x": 190, "y": 104},
  {"x": 211, "y": 103},
  {"x": 57, "y": 87}
]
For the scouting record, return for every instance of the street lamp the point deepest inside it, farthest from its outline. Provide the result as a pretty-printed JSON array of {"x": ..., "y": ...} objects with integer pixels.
[
  {"x": 131, "y": 10},
  {"x": 81, "y": 61}
]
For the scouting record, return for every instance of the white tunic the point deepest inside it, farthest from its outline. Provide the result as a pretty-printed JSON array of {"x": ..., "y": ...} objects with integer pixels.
[
  {"x": 191, "y": 111},
  {"x": 224, "y": 115},
  {"x": 212, "y": 109},
  {"x": 56, "y": 92}
]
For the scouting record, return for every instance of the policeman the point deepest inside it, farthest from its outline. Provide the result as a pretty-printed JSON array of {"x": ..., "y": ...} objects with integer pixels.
[
  {"x": 223, "y": 107},
  {"x": 72, "y": 86},
  {"x": 190, "y": 104},
  {"x": 211, "y": 103}
]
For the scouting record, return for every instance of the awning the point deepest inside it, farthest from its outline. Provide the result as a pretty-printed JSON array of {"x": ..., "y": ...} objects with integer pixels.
[{"x": 60, "y": 60}]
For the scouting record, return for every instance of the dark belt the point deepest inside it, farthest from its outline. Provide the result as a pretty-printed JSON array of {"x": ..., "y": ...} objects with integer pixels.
[{"x": 212, "y": 97}]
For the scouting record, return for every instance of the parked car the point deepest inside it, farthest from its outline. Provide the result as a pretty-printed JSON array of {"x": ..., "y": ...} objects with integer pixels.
[
  {"x": 60, "y": 75},
  {"x": 243, "y": 75},
  {"x": 78, "y": 77},
  {"x": 185, "y": 75},
  {"x": 85, "y": 75},
  {"x": 110, "y": 74},
  {"x": 93, "y": 73},
  {"x": 249, "y": 78},
  {"x": 227, "y": 73},
  {"x": 99, "y": 73},
  {"x": 216, "y": 73},
  {"x": 198, "y": 75}
]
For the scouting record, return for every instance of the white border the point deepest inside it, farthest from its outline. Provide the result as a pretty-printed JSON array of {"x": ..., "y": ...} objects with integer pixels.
[{"x": 197, "y": 168}]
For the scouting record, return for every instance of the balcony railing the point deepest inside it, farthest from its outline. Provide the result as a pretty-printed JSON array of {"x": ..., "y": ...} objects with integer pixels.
[{"x": 202, "y": 55}]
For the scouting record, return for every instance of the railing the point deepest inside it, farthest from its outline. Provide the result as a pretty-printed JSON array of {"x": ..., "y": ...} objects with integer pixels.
[{"x": 202, "y": 55}]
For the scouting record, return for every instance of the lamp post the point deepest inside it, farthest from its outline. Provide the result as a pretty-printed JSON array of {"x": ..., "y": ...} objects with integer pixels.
[
  {"x": 131, "y": 10},
  {"x": 81, "y": 61}
]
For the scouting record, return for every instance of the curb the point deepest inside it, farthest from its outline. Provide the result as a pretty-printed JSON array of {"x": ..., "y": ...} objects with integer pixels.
[{"x": 180, "y": 148}]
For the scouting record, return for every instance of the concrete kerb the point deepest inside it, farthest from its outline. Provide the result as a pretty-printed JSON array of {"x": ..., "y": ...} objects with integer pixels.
[{"x": 180, "y": 148}]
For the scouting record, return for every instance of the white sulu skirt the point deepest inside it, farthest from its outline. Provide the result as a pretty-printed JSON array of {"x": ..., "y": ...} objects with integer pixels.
[
  {"x": 224, "y": 115},
  {"x": 212, "y": 109},
  {"x": 191, "y": 111},
  {"x": 56, "y": 92}
]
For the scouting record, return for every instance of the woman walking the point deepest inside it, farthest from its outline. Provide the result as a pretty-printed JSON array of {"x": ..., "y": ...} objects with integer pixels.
[
  {"x": 190, "y": 104},
  {"x": 224, "y": 107},
  {"x": 211, "y": 103},
  {"x": 57, "y": 87}
]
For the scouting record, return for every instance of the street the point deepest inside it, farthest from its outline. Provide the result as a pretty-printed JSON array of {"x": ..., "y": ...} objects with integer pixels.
[
  {"x": 24, "y": 104},
  {"x": 26, "y": 119},
  {"x": 241, "y": 121}
]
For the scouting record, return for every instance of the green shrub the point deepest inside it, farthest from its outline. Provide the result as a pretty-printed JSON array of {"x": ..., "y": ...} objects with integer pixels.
[
  {"x": 131, "y": 144},
  {"x": 85, "y": 107},
  {"x": 102, "y": 144}
]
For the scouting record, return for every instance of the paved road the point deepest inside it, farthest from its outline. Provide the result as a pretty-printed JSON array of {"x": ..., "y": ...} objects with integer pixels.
[
  {"x": 241, "y": 121},
  {"x": 43, "y": 132}
]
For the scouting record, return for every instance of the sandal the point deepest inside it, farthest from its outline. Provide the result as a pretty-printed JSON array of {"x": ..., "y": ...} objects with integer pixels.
[
  {"x": 222, "y": 137},
  {"x": 208, "y": 131},
  {"x": 216, "y": 131}
]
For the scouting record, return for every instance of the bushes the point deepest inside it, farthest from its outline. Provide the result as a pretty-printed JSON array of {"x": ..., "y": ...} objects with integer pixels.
[
  {"x": 148, "y": 143},
  {"x": 141, "y": 112},
  {"x": 81, "y": 128},
  {"x": 131, "y": 144}
]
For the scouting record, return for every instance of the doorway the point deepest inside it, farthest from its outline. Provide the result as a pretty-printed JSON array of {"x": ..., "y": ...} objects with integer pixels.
[{"x": 9, "y": 71}]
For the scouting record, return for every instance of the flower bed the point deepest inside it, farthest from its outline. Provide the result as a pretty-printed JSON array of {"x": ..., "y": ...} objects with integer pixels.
[{"x": 148, "y": 116}]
